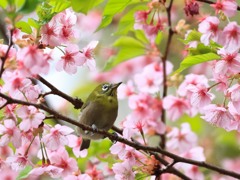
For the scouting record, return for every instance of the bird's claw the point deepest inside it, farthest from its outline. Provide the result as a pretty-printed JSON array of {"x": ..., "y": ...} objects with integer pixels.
[
  {"x": 94, "y": 127},
  {"x": 116, "y": 136}
]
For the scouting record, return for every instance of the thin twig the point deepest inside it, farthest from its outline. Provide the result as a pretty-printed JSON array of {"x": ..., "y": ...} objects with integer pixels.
[
  {"x": 164, "y": 59},
  {"x": 123, "y": 140},
  {"x": 6, "y": 54},
  {"x": 77, "y": 103}
]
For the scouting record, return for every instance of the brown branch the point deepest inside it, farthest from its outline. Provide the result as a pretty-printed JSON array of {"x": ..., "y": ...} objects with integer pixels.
[
  {"x": 77, "y": 103},
  {"x": 164, "y": 59},
  {"x": 210, "y": 2},
  {"x": 112, "y": 137},
  {"x": 6, "y": 54}
]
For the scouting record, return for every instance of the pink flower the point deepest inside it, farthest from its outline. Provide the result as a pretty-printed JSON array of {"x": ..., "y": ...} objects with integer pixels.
[
  {"x": 228, "y": 7},
  {"x": 53, "y": 171},
  {"x": 14, "y": 83},
  {"x": 123, "y": 171},
  {"x": 32, "y": 93},
  {"x": 150, "y": 80},
  {"x": 18, "y": 162},
  {"x": 57, "y": 137},
  {"x": 70, "y": 60},
  {"x": 209, "y": 29},
  {"x": 32, "y": 61},
  {"x": 49, "y": 34},
  {"x": 232, "y": 35},
  {"x": 78, "y": 177},
  {"x": 75, "y": 143},
  {"x": 175, "y": 107},
  {"x": 66, "y": 19},
  {"x": 140, "y": 19},
  {"x": 126, "y": 90},
  {"x": 181, "y": 139},
  {"x": 87, "y": 55},
  {"x": 234, "y": 93},
  {"x": 228, "y": 64},
  {"x": 152, "y": 30},
  {"x": 10, "y": 133},
  {"x": 200, "y": 96},
  {"x": 61, "y": 159},
  {"x": 93, "y": 172},
  {"x": 218, "y": 116},
  {"x": 9, "y": 174},
  {"x": 191, "y": 79},
  {"x": 191, "y": 8},
  {"x": 31, "y": 117},
  {"x": 118, "y": 149}
]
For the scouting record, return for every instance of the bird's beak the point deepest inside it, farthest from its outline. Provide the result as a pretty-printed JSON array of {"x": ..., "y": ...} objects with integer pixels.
[{"x": 115, "y": 86}]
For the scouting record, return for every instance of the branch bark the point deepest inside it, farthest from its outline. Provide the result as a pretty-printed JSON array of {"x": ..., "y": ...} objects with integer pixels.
[{"x": 115, "y": 138}]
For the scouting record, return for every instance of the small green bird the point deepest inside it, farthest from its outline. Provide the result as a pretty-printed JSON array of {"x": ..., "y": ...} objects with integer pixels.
[{"x": 99, "y": 111}]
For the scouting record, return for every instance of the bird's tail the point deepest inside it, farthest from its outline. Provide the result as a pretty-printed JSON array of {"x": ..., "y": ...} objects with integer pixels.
[{"x": 85, "y": 144}]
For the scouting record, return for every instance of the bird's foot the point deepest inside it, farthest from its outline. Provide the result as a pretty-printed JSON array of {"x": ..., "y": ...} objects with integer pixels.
[
  {"x": 94, "y": 127},
  {"x": 116, "y": 136}
]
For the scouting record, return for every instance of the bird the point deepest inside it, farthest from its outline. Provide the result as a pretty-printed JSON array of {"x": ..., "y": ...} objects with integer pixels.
[{"x": 99, "y": 111}]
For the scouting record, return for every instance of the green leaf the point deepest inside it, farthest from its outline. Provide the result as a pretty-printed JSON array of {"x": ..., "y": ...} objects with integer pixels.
[
  {"x": 29, "y": 6},
  {"x": 129, "y": 48},
  {"x": 192, "y": 36},
  {"x": 127, "y": 21},
  {"x": 34, "y": 23},
  {"x": 24, "y": 173},
  {"x": 25, "y": 27},
  {"x": 197, "y": 59},
  {"x": 159, "y": 37},
  {"x": 59, "y": 5},
  {"x": 140, "y": 35},
  {"x": 84, "y": 6},
  {"x": 44, "y": 12},
  {"x": 113, "y": 7},
  {"x": 3, "y": 3}
]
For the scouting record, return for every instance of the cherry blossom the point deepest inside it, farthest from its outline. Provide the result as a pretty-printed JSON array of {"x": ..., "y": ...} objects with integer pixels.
[
  {"x": 181, "y": 139},
  {"x": 200, "y": 96},
  {"x": 75, "y": 143},
  {"x": 14, "y": 83},
  {"x": 231, "y": 36},
  {"x": 209, "y": 29},
  {"x": 191, "y": 79},
  {"x": 31, "y": 117},
  {"x": 18, "y": 162},
  {"x": 32, "y": 61},
  {"x": 175, "y": 106},
  {"x": 78, "y": 177},
  {"x": 70, "y": 60},
  {"x": 218, "y": 116},
  {"x": 228, "y": 7},
  {"x": 10, "y": 133},
  {"x": 125, "y": 90},
  {"x": 53, "y": 171},
  {"x": 61, "y": 159},
  {"x": 228, "y": 64},
  {"x": 57, "y": 137},
  {"x": 123, "y": 171},
  {"x": 49, "y": 34},
  {"x": 87, "y": 55},
  {"x": 235, "y": 96}
]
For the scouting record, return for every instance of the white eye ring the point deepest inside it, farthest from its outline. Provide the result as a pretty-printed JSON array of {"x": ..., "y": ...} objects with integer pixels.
[{"x": 105, "y": 87}]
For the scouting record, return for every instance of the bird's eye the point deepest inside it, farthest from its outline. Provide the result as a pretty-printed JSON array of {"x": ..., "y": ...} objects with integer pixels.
[{"x": 105, "y": 87}]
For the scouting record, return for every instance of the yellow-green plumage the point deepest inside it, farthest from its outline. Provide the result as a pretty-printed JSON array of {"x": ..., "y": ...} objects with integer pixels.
[{"x": 99, "y": 111}]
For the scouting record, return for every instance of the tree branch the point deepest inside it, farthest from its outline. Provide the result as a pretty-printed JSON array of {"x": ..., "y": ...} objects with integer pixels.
[
  {"x": 77, "y": 103},
  {"x": 164, "y": 59},
  {"x": 112, "y": 137},
  {"x": 6, "y": 54}
]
